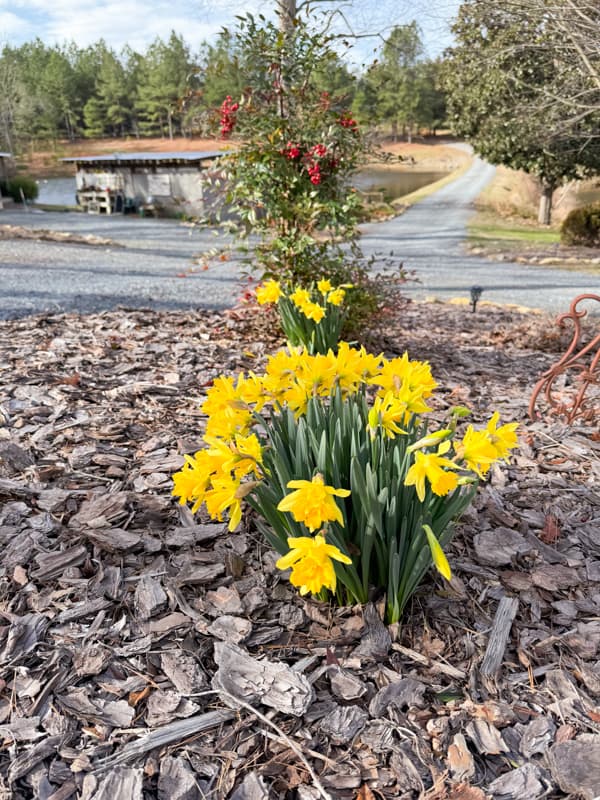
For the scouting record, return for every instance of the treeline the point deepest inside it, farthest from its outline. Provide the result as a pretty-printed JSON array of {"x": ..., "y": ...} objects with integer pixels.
[{"x": 69, "y": 92}]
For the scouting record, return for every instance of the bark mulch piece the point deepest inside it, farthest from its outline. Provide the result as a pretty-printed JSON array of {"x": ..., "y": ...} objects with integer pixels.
[{"x": 145, "y": 653}]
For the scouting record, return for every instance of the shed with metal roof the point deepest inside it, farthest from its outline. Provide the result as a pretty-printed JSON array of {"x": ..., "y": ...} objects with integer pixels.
[{"x": 148, "y": 182}]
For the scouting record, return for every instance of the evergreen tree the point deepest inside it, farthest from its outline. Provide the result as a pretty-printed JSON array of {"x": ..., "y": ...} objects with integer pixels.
[
  {"x": 392, "y": 89},
  {"x": 109, "y": 111},
  {"x": 167, "y": 71},
  {"x": 431, "y": 110}
]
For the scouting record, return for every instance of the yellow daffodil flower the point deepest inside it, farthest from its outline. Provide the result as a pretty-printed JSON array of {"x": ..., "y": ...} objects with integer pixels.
[
  {"x": 220, "y": 395},
  {"x": 476, "y": 450},
  {"x": 300, "y": 297},
  {"x": 296, "y": 398},
  {"x": 413, "y": 400},
  {"x": 387, "y": 412},
  {"x": 228, "y": 423},
  {"x": 311, "y": 560},
  {"x": 191, "y": 482},
  {"x": 227, "y": 413},
  {"x": 355, "y": 367},
  {"x": 252, "y": 391},
  {"x": 269, "y": 292},
  {"x": 317, "y": 374},
  {"x": 324, "y": 286},
  {"x": 240, "y": 456},
  {"x": 284, "y": 361},
  {"x": 403, "y": 374},
  {"x": 439, "y": 557},
  {"x": 431, "y": 466},
  {"x": 312, "y": 503},
  {"x": 336, "y": 297},
  {"x": 503, "y": 438},
  {"x": 313, "y": 311},
  {"x": 223, "y": 495}
]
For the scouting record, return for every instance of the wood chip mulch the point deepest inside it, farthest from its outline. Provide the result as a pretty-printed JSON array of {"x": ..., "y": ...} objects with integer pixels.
[{"x": 145, "y": 653}]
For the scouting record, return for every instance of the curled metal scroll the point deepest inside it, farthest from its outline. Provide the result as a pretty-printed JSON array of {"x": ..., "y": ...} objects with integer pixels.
[{"x": 584, "y": 361}]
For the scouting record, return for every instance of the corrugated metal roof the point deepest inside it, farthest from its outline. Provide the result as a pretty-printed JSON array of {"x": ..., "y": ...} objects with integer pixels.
[{"x": 118, "y": 158}]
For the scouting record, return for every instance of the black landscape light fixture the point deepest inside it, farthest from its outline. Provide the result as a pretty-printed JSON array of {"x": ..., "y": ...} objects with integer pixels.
[{"x": 476, "y": 292}]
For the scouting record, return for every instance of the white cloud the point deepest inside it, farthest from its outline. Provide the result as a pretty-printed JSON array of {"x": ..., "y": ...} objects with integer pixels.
[
  {"x": 138, "y": 23},
  {"x": 14, "y": 26},
  {"x": 130, "y": 22}
]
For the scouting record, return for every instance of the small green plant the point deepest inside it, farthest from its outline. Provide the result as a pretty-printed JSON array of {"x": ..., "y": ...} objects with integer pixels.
[
  {"x": 582, "y": 227},
  {"x": 21, "y": 184},
  {"x": 374, "y": 492},
  {"x": 311, "y": 318}
]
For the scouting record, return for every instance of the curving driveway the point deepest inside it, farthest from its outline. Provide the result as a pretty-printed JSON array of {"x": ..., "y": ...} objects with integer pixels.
[
  {"x": 152, "y": 265},
  {"x": 429, "y": 236}
]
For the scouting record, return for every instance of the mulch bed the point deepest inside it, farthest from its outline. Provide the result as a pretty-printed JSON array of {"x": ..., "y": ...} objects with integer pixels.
[{"x": 149, "y": 654}]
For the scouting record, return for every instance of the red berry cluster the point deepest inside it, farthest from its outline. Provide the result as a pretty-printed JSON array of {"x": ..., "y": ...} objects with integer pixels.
[
  {"x": 313, "y": 167},
  {"x": 291, "y": 151},
  {"x": 228, "y": 116},
  {"x": 346, "y": 121}
]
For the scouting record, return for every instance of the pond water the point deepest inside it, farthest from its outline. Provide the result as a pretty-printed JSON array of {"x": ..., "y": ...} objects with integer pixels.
[
  {"x": 61, "y": 191},
  {"x": 393, "y": 182},
  {"x": 57, "y": 192}
]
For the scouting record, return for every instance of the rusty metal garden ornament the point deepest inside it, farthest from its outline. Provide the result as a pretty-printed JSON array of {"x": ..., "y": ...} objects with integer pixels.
[{"x": 581, "y": 358}]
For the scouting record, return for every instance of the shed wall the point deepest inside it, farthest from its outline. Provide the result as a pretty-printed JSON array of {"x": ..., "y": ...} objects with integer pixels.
[{"x": 171, "y": 188}]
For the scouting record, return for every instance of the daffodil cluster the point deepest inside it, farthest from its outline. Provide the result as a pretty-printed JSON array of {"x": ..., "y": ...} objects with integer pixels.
[
  {"x": 312, "y": 317},
  {"x": 351, "y": 485}
]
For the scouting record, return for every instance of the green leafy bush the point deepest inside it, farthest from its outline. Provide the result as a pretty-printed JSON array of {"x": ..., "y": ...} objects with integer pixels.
[
  {"x": 20, "y": 183},
  {"x": 582, "y": 227}
]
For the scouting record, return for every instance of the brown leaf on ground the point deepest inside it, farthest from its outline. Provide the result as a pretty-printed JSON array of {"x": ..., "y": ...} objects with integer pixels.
[
  {"x": 551, "y": 531},
  {"x": 364, "y": 793},
  {"x": 463, "y": 791}
]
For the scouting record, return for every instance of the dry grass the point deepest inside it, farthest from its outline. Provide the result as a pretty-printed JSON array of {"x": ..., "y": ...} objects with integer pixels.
[
  {"x": 437, "y": 156},
  {"x": 45, "y": 161}
]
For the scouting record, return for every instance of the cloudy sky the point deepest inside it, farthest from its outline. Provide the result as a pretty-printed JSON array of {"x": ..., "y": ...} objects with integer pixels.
[{"x": 138, "y": 22}]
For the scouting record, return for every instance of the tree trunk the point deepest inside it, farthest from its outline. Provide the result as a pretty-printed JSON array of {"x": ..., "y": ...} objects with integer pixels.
[
  {"x": 170, "y": 123},
  {"x": 286, "y": 11},
  {"x": 8, "y": 134},
  {"x": 545, "y": 208}
]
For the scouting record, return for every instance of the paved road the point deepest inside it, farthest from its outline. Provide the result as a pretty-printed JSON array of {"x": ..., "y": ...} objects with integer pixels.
[
  {"x": 146, "y": 270},
  {"x": 428, "y": 238}
]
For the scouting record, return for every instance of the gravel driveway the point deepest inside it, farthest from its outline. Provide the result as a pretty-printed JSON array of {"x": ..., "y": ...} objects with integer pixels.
[
  {"x": 151, "y": 267},
  {"x": 428, "y": 238}
]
